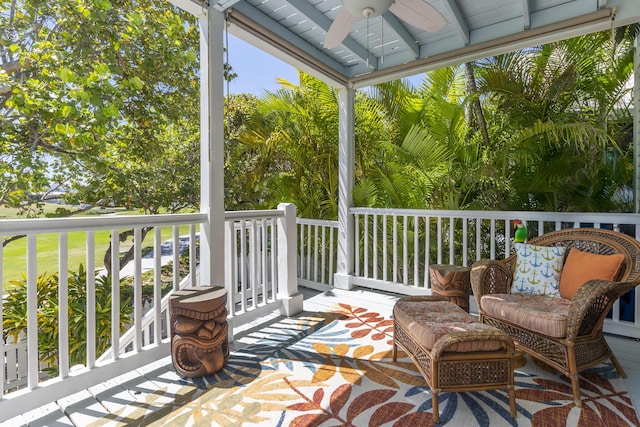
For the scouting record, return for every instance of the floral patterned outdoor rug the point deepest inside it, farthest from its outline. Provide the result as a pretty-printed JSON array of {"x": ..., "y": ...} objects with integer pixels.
[{"x": 336, "y": 369}]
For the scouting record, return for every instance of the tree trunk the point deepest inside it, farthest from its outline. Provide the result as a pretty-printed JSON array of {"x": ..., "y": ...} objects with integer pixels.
[
  {"x": 128, "y": 256},
  {"x": 475, "y": 106}
]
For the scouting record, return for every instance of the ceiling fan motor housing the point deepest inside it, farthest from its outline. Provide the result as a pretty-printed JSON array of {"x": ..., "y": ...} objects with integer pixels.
[{"x": 367, "y": 8}]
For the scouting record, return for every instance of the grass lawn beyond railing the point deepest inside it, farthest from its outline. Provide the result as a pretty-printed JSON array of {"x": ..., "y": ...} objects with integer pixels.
[{"x": 15, "y": 260}]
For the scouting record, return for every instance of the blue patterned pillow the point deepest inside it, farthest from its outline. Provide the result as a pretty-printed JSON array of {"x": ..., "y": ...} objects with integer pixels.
[{"x": 537, "y": 270}]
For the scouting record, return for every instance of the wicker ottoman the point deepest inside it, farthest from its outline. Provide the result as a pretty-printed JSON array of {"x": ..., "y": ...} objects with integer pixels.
[{"x": 452, "y": 351}]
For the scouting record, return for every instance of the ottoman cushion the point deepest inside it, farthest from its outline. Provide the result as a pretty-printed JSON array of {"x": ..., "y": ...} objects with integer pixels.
[{"x": 428, "y": 322}]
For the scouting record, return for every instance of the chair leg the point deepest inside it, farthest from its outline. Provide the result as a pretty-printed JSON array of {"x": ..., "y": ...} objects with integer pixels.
[
  {"x": 573, "y": 374},
  {"x": 575, "y": 385},
  {"x": 434, "y": 404},
  {"x": 395, "y": 351},
  {"x": 512, "y": 401},
  {"x": 617, "y": 365}
]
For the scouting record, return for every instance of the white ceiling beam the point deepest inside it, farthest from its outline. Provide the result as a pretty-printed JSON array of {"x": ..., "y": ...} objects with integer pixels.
[
  {"x": 223, "y": 5},
  {"x": 457, "y": 19},
  {"x": 397, "y": 26},
  {"x": 526, "y": 14},
  {"x": 319, "y": 18},
  {"x": 196, "y": 8}
]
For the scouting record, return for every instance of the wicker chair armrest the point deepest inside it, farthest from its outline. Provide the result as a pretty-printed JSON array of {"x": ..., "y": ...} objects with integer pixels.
[
  {"x": 591, "y": 303},
  {"x": 445, "y": 342},
  {"x": 490, "y": 277}
]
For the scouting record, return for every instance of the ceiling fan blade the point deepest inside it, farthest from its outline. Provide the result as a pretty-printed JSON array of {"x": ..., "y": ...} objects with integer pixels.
[
  {"x": 418, "y": 13},
  {"x": 340, "y": 28}
]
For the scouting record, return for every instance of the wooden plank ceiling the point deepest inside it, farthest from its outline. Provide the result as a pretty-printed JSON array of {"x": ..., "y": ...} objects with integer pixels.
[{"x": 386, "y": 47}]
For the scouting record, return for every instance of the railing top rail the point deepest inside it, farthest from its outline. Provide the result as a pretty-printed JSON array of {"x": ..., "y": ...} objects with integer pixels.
[
  {"x": 606, "y": 217},
  {"x": 52, "y": 225},
  {"x": 56, "y": 225},
  {"x": 325, "y": 222},
  {"x": 236, "y": 215}
]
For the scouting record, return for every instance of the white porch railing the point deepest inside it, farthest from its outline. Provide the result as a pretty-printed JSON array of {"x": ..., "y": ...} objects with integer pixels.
[
  {"x": 256, "y": 283},
  {"x": 317, "y": 253},
  {"x": 393, "y": 248}
]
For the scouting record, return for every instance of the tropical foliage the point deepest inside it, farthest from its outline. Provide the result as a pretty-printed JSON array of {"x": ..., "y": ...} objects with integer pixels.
[
  {"x": 544, "y": 128},
  {"x": 14, "y": 315},
  {"x": 564, "y": 112},
  {"x": 84, "y": 99}
]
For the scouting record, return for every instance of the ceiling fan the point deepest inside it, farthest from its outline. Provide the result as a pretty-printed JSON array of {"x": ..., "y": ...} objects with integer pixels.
[{"x": 418, "y": 13}]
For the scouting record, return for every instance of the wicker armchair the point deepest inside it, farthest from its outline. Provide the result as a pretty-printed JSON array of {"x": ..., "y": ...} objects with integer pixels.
[{"x": 584, "y": 345}]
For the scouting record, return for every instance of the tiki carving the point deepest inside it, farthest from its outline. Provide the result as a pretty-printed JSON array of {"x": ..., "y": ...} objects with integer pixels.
[
  {"x": 199, "y": 330},
  {"x": 453, "y": 282}
]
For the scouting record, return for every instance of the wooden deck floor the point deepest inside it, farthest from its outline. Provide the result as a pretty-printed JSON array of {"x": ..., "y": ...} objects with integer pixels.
[{"x": 153, "y": 387}]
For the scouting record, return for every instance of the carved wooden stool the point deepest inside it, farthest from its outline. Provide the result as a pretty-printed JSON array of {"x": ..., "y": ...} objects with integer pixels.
[
  {"x": 199, "y": 330},
  {"x": 452, "y": 282}
]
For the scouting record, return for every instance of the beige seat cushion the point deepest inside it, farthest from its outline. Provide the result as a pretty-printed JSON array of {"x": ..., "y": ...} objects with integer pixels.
[
  {"x": 538, "y": 313},
  {"x": 427, "y": 321}
]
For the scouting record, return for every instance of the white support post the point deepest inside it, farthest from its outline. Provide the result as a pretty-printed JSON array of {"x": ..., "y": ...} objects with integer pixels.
[
  {"x": 287, "y": 253},
  {"x": 346, "y": 159},
  {"x": 212, "y": 147}
]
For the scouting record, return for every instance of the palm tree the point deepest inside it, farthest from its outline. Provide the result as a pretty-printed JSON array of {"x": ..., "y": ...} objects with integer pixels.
[
  {"x": 295, "y": 130},
  {"x": 551, "y": 105},
  {"x": 429, "y": 148}
]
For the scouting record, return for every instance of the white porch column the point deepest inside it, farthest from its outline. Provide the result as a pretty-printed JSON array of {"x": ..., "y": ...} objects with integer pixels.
[
  {"x": 287, "y": 256},
  {"x": 212, "y": 147},
  {"x": 346, "y": 160}
]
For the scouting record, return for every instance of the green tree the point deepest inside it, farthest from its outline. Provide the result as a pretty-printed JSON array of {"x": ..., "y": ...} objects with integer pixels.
[
  {"x": 84, "y": 99},
  {"x": 544, "y": 129},
  {"x": 433, "y": 160},
  {"x": 242, "y": 189},
  {"x": 100, "y": 99}
]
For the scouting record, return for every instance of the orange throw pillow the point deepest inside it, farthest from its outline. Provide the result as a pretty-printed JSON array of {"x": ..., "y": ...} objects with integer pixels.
[{"x": 580, "y": 267}]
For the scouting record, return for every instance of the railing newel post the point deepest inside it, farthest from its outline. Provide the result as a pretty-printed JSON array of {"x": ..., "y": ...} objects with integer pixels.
[{"x": 291, "y": 299}]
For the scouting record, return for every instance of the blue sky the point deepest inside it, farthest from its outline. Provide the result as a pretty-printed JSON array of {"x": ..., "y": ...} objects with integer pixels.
[{"x": 257, "y": 70}]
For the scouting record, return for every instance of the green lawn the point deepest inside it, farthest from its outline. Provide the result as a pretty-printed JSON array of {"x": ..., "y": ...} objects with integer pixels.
[
  {"x": 11, "y": 213},
  {"x": 15, "y": 264}
]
